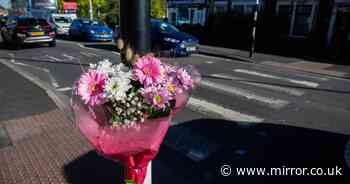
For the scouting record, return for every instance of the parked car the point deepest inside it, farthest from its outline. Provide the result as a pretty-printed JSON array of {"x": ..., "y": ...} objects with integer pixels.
[
  {"x": 90, "y": 30},
  {"x": 3, "y": 20},
  {"x": 62, "y": 23},
  {"x": 26, "y": 30},
  {"x": 166, "y": 37}
]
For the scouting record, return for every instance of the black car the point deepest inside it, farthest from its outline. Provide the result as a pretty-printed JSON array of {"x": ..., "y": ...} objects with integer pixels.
[
  {"x": 165, "y": 36},
  {"x": 3, "y": 21},
  {"x": 25, "y": 30}
]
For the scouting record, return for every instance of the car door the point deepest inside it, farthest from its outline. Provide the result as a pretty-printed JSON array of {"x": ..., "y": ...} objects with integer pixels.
[
  {"x": 74, "y": 29},
  {"x": 9, "y": 29}
]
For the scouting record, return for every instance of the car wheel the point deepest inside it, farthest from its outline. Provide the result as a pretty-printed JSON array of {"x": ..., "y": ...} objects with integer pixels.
[
  {"x": 16, "y": 44},
  {"x": 172, "y": 53},
  {"x": 71, "y": 36},
  {"x": 52, "y": 44},
  {"x": 4, "y": 41}
]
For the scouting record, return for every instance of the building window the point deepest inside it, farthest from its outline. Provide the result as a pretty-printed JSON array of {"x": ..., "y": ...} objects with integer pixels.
[
  {"x": 295, "y": 19},
  {"x": 303, "y": 20},
  {"x": 183, "y": 16},
  {"x": 238, "y": 9},
  {"x": 249, "y": 9},
  {"x": 220, "y": 8},
  {"x": 284, "y": 18}
]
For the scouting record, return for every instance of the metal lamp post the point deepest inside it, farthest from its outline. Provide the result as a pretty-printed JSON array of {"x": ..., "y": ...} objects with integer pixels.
[
  {"x": 255, "y": 22},
  {"x": 135, "y": 29},
  {"x": 134, "y": 39},
  {"x": 91, "y": 10}
]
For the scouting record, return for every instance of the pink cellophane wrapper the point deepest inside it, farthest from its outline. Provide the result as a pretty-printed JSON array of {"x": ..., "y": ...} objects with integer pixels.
[{"x": 134, "y": 146}]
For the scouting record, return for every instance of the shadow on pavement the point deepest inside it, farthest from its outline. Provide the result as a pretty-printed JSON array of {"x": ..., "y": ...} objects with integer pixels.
[
  {"x": 194, "y": 152},
  {"x": 93, "y": 168},
  {"x": 24, "y": 47}
]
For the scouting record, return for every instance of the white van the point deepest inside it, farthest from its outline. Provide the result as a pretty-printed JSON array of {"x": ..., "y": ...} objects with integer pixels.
[{"x": 62, "y": 22}]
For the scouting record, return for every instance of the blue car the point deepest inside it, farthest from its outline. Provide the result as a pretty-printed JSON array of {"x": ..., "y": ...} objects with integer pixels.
[
  {"x": 90, "y": 30},
  {"x": 165, "y": 36}
]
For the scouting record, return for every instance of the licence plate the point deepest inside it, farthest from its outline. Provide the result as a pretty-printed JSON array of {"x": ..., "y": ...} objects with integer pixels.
[
  {"x": 37, "y": 33},
  {"x": 191, "y": 49}
]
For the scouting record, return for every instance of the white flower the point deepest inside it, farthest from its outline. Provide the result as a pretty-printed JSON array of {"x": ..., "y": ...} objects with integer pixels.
[
  {"x": 116, "y": 87},
  {"x": 93, "y": 66},
  {"x": 105, "y": 67}
]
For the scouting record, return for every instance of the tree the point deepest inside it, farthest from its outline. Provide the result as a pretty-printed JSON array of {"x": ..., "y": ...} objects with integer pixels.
[
  {"x": 158, "y": 9},
  {"x": 83, "y": 10}
]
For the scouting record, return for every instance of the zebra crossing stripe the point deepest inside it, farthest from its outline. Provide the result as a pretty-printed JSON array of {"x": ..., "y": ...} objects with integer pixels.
[
  {"x": 286, "y": 90},
  {"x": 271, "y": 102},
  {"x": 304, "y": 83},
  {"x": 203, "y": 106}
]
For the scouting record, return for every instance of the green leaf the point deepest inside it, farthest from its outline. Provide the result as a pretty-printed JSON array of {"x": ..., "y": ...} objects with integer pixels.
[{"x": 129, "y": 182}]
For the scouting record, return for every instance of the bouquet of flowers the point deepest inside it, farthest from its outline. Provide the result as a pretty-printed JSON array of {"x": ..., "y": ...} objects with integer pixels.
[{"x": 125, "y": 111}]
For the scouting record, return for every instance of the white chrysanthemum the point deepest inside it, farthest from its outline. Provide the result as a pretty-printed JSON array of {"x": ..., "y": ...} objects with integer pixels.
[
  {"x": 121, "y": 70},
  {"x": 105, "y": 67},
  {"x": 116, "y": 87},
  {"x": 93, "y": 66}
]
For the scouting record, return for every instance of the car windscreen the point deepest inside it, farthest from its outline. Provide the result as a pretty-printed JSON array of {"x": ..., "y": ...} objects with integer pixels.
[
  {"x": 62, "y": 20},
  {"x": 31, "y": 22},
  {"x": 97, "y": 23},
  {"x": 167, "y": 28},
  {"x": 92, "y": 23}
]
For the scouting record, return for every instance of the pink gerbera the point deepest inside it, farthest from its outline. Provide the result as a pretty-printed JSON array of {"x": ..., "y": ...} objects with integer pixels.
[
  {"x": 158, "y": 97},
  {"x": 148, "y": 70},
  {"x": 90, "y": 87}
]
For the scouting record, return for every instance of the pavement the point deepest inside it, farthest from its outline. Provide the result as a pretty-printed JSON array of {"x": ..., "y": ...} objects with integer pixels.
[
  {"x": 242, "y": 115},
  {"x": 302, "y": 63}
]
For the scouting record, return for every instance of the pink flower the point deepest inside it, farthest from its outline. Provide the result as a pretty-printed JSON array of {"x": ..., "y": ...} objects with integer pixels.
[
  {"x": 90, "y": 87},
  {"x": 184, "y": 78},
  {"x": 158, "y": 97},
  {"x": 148, "y": 70}
]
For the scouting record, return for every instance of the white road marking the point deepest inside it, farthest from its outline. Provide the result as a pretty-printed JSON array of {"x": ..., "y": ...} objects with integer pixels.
[
  {"x": 286, "y": 90},
  {"x": 305, "y": 83},
  {"x": 54, "y": 82},
  {"x": 63, "y": 89},
  {"x": 209, "y": 62},
  {"x": 89, "y": 54},
  {"x": 117, "y": 53},
  {"x": 207, "y": 107},
  {"x": 273, "y": 103},
  {"x": 54, "y": 58},
  {"x": 69, "y": 57},
  {"x": 276, "y": 64},
  {"x": 211, "y": 57},
  {"x": 61, "y": 103},
  {"x": 83, "y": 46}
]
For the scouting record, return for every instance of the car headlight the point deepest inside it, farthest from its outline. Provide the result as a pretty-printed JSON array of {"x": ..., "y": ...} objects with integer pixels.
[
  {"x": 92, "y": 32},
  {"x": 172, "y": 40}
]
